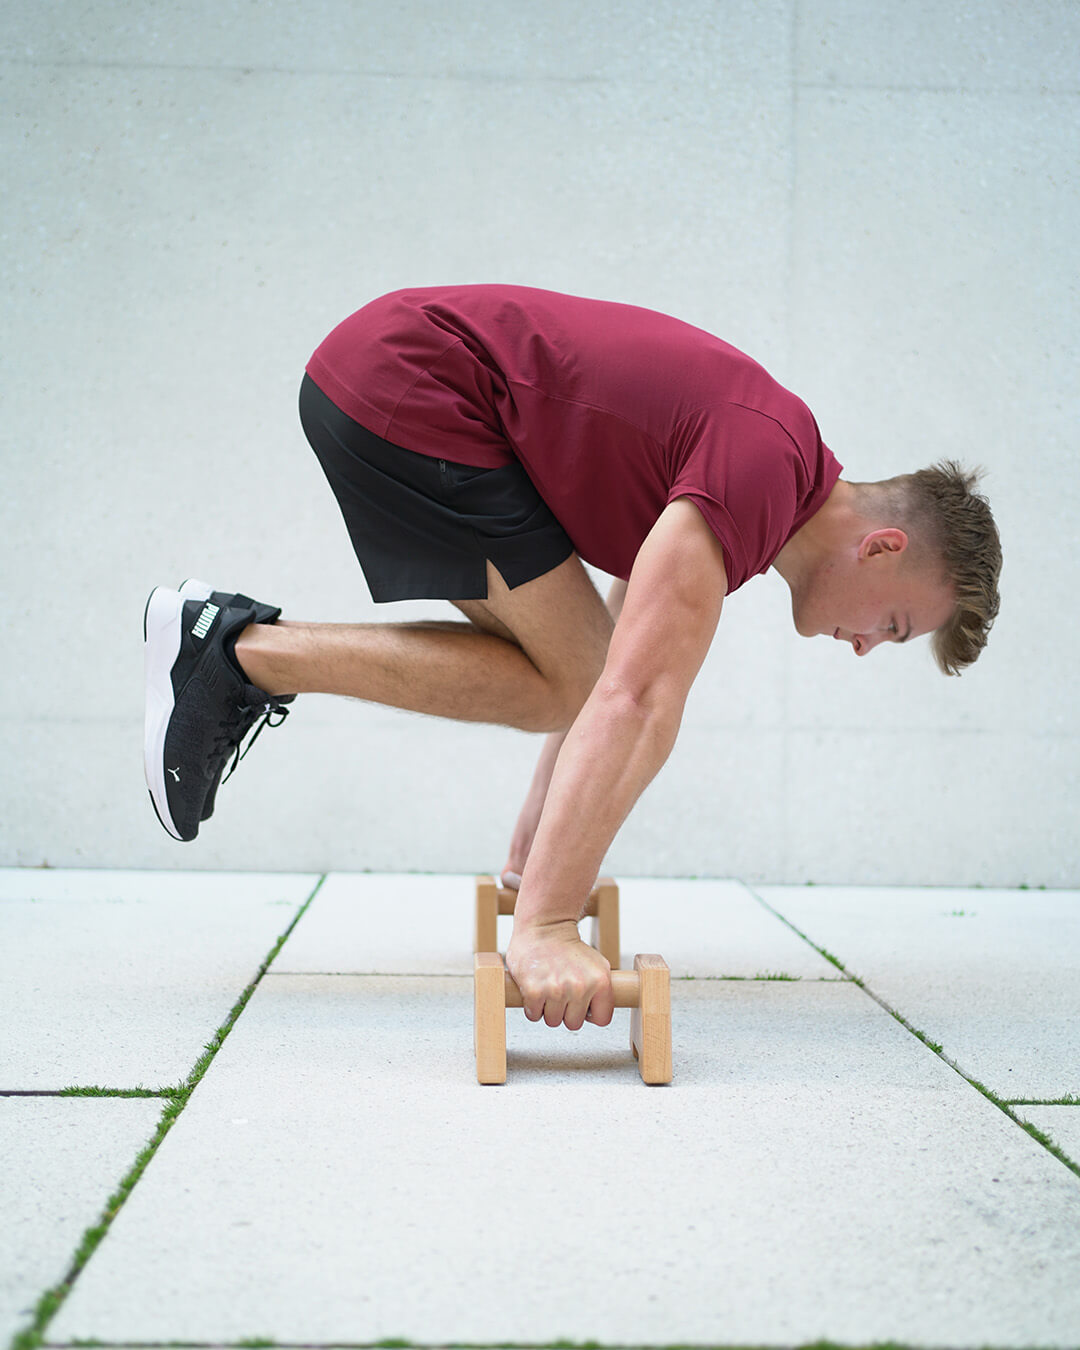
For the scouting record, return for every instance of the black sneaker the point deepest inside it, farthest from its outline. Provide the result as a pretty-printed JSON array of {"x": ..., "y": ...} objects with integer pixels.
[
  {"x": 199, "y": 705},
  {"x": 200, "y": 590}
]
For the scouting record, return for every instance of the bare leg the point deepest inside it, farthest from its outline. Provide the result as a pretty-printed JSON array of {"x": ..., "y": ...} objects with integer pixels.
[
  {"x": 529, "y": 817},
  {"x": 528, "y": 659}
]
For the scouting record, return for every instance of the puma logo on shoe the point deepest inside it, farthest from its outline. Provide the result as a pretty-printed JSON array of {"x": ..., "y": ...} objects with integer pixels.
[
  {"x": 205, "y": 619},
  {"x": 175, "y": 772}
]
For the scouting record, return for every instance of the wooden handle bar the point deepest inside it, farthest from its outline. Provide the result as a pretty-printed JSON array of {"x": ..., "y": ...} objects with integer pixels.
[
  {"x": 626, "y": 984},
  {"x": 506, "y": 896}
]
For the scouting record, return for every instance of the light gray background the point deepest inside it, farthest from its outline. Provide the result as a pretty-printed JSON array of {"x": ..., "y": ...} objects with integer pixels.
[{"x": 877, "y": 200}]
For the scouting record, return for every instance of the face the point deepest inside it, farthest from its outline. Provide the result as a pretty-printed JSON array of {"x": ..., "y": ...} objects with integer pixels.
[{"x": 874, "y": 594}]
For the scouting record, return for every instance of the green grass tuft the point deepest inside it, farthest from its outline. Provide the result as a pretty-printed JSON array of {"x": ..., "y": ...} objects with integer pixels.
[
  {"x": 1047, "y": 1142},
  {"x": 117, "y": 1092},
  {"x": 1068, "y": 1100}
]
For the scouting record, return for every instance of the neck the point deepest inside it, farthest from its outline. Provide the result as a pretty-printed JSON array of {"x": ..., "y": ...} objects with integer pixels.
[{"x": 827, "y": 529}]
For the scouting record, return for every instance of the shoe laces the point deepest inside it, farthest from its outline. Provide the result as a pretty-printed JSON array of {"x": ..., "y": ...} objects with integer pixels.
[{"x": 235, "y": 728}]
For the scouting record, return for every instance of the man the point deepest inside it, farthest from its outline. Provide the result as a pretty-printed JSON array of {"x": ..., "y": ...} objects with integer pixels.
[{"x": 482, "y": 441}]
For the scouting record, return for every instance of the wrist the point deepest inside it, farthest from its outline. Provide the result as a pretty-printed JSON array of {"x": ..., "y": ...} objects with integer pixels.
[{"x": 541, "y": 929}]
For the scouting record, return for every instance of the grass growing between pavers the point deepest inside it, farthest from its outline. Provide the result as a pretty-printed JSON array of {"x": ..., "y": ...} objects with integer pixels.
[
  {"x": 90, "y": 1092},
  {"x": 1003, "y": 1106},
  {"x": 1040, "y": 1136},
  {"x": 118, "y": 1092},
  {"x": 52, "y": 1300},
  {"x": 1070, "y": 1099},
  {"x": 762, "y": 976}
]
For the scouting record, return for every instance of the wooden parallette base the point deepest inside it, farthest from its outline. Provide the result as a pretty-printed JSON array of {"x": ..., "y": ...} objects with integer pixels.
[
  {"x": 646, "y": 989},
  {"x": 602, "y": 907}
]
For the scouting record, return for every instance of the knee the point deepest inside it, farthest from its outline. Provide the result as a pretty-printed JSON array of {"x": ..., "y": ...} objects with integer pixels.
[{"x": 566, "y": 698}]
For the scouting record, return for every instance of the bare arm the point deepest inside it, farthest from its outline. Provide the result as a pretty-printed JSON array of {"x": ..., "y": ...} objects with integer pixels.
[
  {"x": 529, "y": 818},
  {"x": 618, "y": 743}
]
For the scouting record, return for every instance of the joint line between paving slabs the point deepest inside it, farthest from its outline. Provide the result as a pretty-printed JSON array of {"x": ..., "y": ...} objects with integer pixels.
[
  {"x": 403, "y": 1343},
  {"x": 938, "y": 1050},
  {"x": 50, "y": 1303},
  {"x": 1069, "y": 1099},
  {"x": 486, "y": 77},
  {"x": 92, "y": 1091}
]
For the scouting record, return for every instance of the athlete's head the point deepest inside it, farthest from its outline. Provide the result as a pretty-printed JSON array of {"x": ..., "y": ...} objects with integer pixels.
[
  {"x": 952, "y": 536},
  {"x": 892, "y": 560}
]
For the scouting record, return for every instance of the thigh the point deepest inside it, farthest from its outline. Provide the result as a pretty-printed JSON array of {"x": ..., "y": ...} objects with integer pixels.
[
  {"x": 422, "y": 527},
  {"x": 559, "y": 620}
]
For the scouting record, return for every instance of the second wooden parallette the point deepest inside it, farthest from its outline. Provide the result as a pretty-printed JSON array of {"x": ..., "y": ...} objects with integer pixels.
[{"x": 602, "y": 907}]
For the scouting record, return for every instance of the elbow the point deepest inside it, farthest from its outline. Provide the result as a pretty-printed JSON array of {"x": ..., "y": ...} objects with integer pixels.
[{"x": 651, "y": 711}]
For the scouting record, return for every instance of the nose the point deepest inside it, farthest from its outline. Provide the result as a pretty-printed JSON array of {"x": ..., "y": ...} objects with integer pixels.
[
  {"x": 864, "y": 644},
  {"x": 861, "y": 643}
]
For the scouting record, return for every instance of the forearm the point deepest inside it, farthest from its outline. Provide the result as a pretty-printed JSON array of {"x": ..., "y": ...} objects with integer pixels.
[
  {"x": 610, "y": 755},
  {"x": 538, "y": 787},
  {"x": 524, "y": 833}
]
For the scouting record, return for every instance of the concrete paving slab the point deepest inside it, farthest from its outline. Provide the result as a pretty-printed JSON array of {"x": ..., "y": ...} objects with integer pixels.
[
  {"x": 118, "y": 979},
  {"x": 339, "y": 1177},
  {"x": 991, "y": 976},
  {"x": 713, "y": 929},
  {"x": 372, "y": 924},
  {"x": 1061, "y": 1123},
  {"x": 62, "y": 1159},
  {"x": 401, "y": 925}
]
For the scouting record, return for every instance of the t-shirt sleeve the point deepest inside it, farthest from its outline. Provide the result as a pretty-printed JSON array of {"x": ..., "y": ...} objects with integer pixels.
[{"x": 748, "y": 478}]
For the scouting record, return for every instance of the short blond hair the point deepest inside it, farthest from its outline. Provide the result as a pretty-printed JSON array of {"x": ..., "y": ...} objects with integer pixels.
[{"x": 949, "y": 520}]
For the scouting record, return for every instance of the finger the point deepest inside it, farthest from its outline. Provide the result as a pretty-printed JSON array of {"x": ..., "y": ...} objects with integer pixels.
[
  {"x": 554, "y": 1011},
  {"x": 602, "y": 1006},
  {"x": 577, "y": 1008},
  {"x": 511, "y": 880}
]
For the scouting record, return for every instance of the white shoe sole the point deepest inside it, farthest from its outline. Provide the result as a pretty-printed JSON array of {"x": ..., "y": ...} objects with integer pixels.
[{"x": 161, "y": 633}]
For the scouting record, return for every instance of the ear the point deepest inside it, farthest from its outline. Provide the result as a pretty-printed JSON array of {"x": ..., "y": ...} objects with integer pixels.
[{"x": 878, "y": 542}]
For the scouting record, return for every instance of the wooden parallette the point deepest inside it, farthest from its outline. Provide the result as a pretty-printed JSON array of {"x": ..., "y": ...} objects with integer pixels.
[
  {"x": 602, "y": 907},
  {"x": 646, "y": 990}
]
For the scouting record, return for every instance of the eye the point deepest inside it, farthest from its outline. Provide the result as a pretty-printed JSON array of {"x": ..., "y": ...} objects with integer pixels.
[{"x": 893, "y": 629}]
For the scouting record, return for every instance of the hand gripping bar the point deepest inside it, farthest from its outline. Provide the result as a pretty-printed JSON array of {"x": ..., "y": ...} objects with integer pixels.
[{"x": 646, "y": 990}]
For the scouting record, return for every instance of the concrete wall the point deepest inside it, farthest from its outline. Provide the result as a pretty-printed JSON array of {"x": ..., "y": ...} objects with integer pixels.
[{"x": 878, "y": 200}]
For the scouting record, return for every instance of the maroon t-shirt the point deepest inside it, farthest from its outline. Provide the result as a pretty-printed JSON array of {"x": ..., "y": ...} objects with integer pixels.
[{"x": 614, "y": 411}]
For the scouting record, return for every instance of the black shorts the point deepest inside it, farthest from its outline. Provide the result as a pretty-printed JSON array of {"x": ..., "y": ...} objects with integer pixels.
[{"x": 423, "y": 528}]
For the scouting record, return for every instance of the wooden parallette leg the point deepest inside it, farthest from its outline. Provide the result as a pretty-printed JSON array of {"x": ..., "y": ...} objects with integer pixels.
[
  {"x": 485, "y": 938},
  {"x": 489, "y": 1017},
  {"x": 602, "y": 907},
  {"x": 650, "y": 1021},
  {"x": 646, "y": 989}
]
